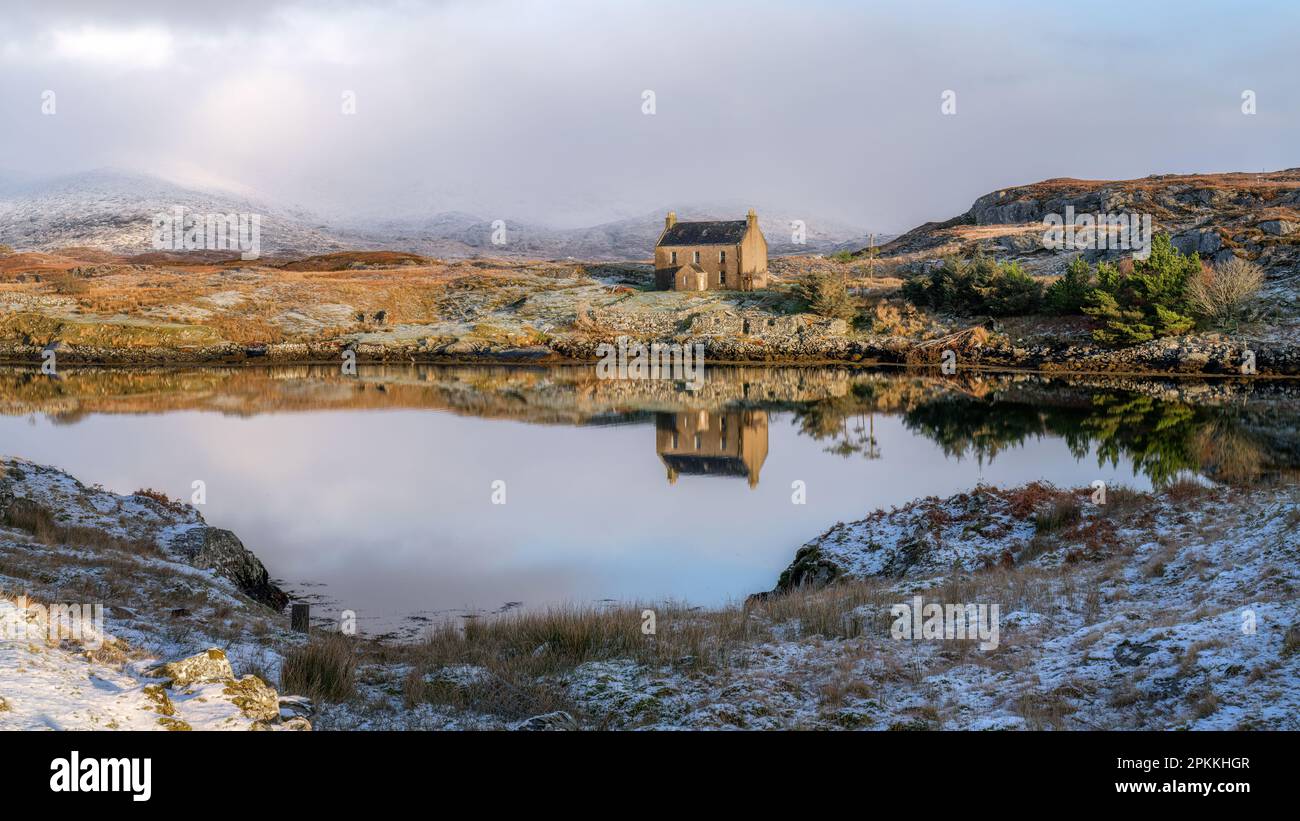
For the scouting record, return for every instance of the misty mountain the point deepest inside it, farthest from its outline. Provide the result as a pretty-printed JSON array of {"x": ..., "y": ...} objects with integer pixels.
[{"x": 113, "y": 210}]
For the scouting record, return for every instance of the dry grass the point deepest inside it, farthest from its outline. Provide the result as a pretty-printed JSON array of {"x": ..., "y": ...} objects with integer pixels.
[
  {"x": 37, "y": 520},
  {"x": 1291, "y": 644},
  {"x": 1191, "y": 657},
  {"x": 521, "y": 654},
  {"x": 1043, "y": 711},
  {"x": 1065, "y": 511},
  {"x": 324, "y": 669},
  {"x": 258, "y": 302},
  {"x": 174, "y": 505},
  {"x": 67, "y": 283}
]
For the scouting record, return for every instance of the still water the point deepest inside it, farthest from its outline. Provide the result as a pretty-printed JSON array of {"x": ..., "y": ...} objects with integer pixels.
[{"x": 379, "y": 493}]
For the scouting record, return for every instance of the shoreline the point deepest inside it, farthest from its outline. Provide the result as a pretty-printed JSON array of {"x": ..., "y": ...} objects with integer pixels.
[
  {"x": 1154, "y": 612},
  {"x": 315, "y": 355}
]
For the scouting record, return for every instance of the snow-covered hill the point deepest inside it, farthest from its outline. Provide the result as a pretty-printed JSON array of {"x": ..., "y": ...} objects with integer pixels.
[{"x": 113, "y": 210}]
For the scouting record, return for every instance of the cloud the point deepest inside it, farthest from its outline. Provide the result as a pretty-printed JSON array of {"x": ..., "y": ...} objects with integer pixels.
[
  {"x": 533, "y": 111},
  {"x": 146, "y": 47}
]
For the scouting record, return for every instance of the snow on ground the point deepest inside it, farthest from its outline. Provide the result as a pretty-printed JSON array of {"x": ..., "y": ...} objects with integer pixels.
[
  {"x": 1179, "y": 610},
  {"x": 1175, "y": 611},
  {"x": 111, "y": 551}
]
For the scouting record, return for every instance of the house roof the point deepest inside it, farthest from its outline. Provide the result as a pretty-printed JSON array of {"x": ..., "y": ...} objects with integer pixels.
[
  {"x": 700, "y": 465},
  {"x": 720, "y": 232}
]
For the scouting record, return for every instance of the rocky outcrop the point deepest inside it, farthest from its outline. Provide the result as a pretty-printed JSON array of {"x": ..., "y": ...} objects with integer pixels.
[
  {"x": 210, "y": 665},
  {"x": 202, "y": 690},
  {"x": 32, "y": 493},
  {"x": 1218, "y": 216},
  {"x": 966, "y": 532},
  {"x": 222, "y": 552}
]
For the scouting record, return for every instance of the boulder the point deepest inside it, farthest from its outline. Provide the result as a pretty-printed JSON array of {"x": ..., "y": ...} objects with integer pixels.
[
  {"x": 292, "y": 707},
  {"x": 809, "y": 569},
  {"x": 1185, "y": 243},
  {"x": 254, "y": 698},
  {"x": 1004, "y": 207},
  {"x": 1202, "y": 241},
  {"x": 1279, "y": 228},
  {"x": 1021, "y": 243},
  {"x": 210, "y": 665},
  {"x": 221, "y": 551}
]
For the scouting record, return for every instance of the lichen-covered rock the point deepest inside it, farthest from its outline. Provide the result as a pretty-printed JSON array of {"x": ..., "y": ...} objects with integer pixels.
[
  {"x": 222, "y": 552},
  {"x": 157, "y": 694},
  {"x": 254, "y": 698},
  {"x": 210, "y": 665},
  {"x": 174, "y": 724}
]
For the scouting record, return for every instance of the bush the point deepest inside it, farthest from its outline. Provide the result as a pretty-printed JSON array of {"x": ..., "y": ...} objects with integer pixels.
[
  {"x": 978, "y": 286},
  {"x": 826, "y": 294},
  {"x": 1222, "y": 294},
  {"x": 323, "y": 670},
  {"x": 1013, "y": 292},
  {"x": 1069, "y": 293},
  {"x": 67, "y": 283},
  {"x": 1148, "y": 302}
]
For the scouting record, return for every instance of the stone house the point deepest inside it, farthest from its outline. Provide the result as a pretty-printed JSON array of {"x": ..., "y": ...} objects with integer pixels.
[{"x": 711, "y": 256}]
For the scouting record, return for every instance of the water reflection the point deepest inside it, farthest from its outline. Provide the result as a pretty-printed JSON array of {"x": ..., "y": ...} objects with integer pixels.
[
  {"x": 712, "y": 443},
  {"x": 1227, "y": 431},
  {"x": 378, "y": 486}
]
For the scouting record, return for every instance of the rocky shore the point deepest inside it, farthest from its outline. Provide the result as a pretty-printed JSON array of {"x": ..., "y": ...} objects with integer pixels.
[
  {"x": 1139, "y": 611},
  {"x": 1210, "y": 354},
  {"x": 130, "y": 612}
]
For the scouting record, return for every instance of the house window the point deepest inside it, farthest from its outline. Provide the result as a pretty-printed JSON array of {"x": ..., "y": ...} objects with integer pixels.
[
  {"x": 722, "y": 257},
  {"x": 722, "y": 277},
  {"x": 674, "y": 257},
  {"x": 697, "y": 257},
  {"x": 697, "y": 441}
]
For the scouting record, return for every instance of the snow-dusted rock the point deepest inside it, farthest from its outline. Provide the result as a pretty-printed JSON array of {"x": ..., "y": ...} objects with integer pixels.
[
  {"x": 208, "y": 666},
  {"x": 558, "y": 720},
  {"x": 223, "y": 553}
]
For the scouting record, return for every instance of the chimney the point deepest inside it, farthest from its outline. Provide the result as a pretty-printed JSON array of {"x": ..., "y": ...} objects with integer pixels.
[
  {"x": 752, "y": 218},
  {"x": 670, "y": 220}
]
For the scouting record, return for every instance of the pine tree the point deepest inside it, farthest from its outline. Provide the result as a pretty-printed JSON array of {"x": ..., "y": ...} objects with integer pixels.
[{"x": 1148, "y": 302}]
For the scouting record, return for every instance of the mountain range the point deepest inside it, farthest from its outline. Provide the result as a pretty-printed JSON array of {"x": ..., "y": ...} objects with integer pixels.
[{"x": 113, "y": 210}]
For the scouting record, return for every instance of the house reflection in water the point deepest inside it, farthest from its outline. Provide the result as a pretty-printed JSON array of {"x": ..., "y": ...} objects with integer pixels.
[{"x": 712, "y": 443}]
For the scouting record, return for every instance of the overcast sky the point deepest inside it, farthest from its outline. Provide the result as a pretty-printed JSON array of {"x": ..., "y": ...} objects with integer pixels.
[{"x": 534, "y": 110}]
